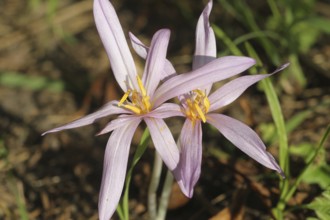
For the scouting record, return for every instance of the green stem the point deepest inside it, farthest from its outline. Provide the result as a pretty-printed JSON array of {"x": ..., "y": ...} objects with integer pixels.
[
  {"x": 164, "y": 199},
  {"x": 152, "y": 195},
  {"x": 123, "y": 209},
  {"x": 310, "y": 160},
  {"x": 275, "y": 11}
]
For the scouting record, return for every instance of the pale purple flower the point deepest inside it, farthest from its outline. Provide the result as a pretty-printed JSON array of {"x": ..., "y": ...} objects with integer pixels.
[
  {"x": 143, "y": 100},
  {"x": 200, "y": 107}
]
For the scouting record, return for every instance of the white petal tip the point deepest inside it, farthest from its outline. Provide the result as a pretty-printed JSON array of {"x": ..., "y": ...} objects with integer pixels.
[
  {"x": 190, "y": 194},
  {"x": 253, "y": 61},
  {"x": 187, "y": 192},
  {"x": 47, "y": 132},
  {"x": 281, "y": 173},
  {"x": 103, "y": 131},
  {"x": 247, "y": 61},
  {"x": 283, "y": 66}
]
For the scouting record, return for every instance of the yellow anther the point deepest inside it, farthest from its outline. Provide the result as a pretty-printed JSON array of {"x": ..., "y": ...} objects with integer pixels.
[
  {"x": 134, "y": 109},
  {"x": 200, "y": 112},
  {"x": 124, "y": 98},
  {"x": 146, "y": 102},
  {"x": 197, "y": 106},
  {"x": 135, "y": 96},
  {"x": 187, "y": 112},
  {"x": 207, "y": 104},
  {"x": 189, "y": 103},
  {"x": 199, "y": 92},
  {"x": 191, "y": 115},
  {"x": 143, "y": 90},
  {"x": 139, "y": 101}
]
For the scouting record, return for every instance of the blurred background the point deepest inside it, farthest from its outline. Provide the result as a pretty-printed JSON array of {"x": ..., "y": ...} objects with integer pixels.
[{"x": 53, "y": 69}]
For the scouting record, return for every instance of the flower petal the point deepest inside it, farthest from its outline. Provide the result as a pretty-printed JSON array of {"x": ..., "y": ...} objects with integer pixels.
[
  {"x": 114, "y": 169},
  {"x": 163, "y": 141},
  {"x": 142, "y": 51},
  {"x": 244, "y": 138},
  {"x": 122, "y": 120},
  {"x": 214, "y": 71},
  {"x": 206, "y": 47},
  {"x": 155, "y": 62},
  {"x": 233, "y": 89},
  {"x": 168, "y": 71},
  {"x": 189, "y": 169},
  {"x": 115, "y": 44},
  {"x": 138, "y": 46},
  {"x": 110, "y": 108},
  {"x": 166, "y": 110}
]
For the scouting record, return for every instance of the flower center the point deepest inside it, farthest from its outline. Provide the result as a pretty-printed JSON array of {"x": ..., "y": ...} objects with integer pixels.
[
  {"x": 197, "y": 105},
  {"x": 140, "y": 102}
]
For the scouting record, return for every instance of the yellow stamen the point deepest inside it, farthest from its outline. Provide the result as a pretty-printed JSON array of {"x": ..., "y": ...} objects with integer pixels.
[
  {"x": 143, "y": 90},
  {"x": 206, "y": 103},
  {"x": 135, "y": 96},
  {"x": 197, "y": 106},
  {"x": 134, "y": 109},
  {"x": 200, "y": 112},
  {"x": 124, "y": 98},
  {"x": 146, "y": 102},
  {"x": 189, "y": 103},
  {"x": 139, "y": 101},
  {"x": 199, "y": 92}
]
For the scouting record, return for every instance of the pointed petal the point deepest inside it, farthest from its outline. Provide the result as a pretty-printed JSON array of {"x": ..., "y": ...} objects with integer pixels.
[
  {"x": 114, "y": 169},
  {"x": 118, "y": 123},
  {"x": 168, "y": 71},
  {"x": 142, "y": 51},
  {"x": 214, "y": 71},
  {"x": 233, "y": 89},
  {"x": 206, "y": 48},
  {"x": 244, "y": 138},
  {"x": 163, "y": 141},
  {"x": 115, "y": 44},
  {"x": 155, "y": 62},
  {"x": 166, "y": 110},
  {"x": 189, "y": 169},
  {"x": 110, "y": 108},
  {"x": 138, "y": 46}
]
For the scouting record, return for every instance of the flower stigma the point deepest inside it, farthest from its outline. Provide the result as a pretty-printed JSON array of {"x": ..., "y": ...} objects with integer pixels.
[
  {"x": 140, "y": 101},
  {"x": 197, "y": 105}
]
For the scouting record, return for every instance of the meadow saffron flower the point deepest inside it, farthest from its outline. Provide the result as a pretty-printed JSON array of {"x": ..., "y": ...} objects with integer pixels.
[
  {"x": 198, "y": 106},
  {"x": 143, "y": 100}
]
